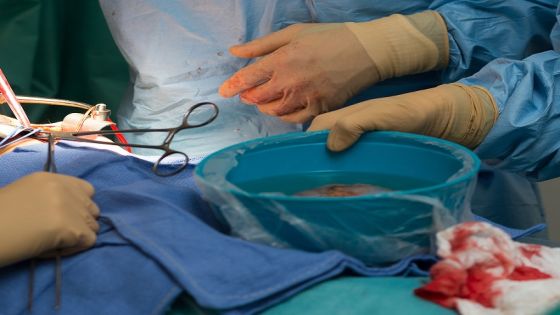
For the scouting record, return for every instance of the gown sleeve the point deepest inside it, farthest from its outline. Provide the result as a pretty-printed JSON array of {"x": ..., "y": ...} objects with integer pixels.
[{"x": 483, "y": 30}]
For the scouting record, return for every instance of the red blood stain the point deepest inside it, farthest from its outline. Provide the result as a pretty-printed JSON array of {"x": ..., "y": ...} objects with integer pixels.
[
  {"x": 450, "y": 280},
  {"x": 524, "y": 273},
  {"x": 478, "y": 287},
  {"x": 449, "y": 283},
  {"x": 529, "y": 250},
  {"x": 461, "y": 236},
  {"x": 445, "y": 285}
]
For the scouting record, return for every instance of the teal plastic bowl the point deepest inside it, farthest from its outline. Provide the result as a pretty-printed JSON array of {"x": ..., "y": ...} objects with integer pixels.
[{"x": 251, "y": 187}]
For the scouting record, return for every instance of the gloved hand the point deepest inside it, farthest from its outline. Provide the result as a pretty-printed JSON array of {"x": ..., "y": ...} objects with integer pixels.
[
  {"x": 310, "y": 69},
  {"x": 456, "y": 112},
  {"x": 46, "y": 214}
]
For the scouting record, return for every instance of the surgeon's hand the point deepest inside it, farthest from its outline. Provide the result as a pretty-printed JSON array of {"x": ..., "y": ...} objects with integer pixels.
[
  {"x": 309, "y": 69},
  {"x": 456, "y": 112},
  {"x": 44, "y": 214}
]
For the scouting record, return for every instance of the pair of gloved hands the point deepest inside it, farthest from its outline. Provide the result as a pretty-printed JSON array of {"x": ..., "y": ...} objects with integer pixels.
[
  {"x": 310, "y": 70},
  {"x": 46, "y": 214}
]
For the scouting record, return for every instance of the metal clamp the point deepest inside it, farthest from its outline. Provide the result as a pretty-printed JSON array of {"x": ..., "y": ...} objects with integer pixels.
[{"x": 99, "y": 112}]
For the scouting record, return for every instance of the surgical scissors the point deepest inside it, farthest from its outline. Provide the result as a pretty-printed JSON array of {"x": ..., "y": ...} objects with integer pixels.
[{"x": 165, "y": 146}]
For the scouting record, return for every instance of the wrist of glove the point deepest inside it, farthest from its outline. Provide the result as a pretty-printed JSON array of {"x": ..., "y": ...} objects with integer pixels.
[
  {"x": 59, "y": 218},
  {"x": 456, "y": 112},
  {"x": 401, "y": 45}
]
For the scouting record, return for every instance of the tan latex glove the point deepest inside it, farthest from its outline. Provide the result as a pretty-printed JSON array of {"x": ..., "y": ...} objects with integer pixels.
[
  {"x": 456, "y": 112},
  {"x": 44, "y": 214},
  {"x": 309, "y": 69}
]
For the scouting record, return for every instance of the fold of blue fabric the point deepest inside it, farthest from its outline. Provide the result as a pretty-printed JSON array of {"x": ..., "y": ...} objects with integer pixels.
[{"x": 159, "y": 238}]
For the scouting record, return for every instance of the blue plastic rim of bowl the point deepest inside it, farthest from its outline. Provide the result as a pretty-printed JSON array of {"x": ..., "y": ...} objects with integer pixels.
[{"x": 471, "y": 162}]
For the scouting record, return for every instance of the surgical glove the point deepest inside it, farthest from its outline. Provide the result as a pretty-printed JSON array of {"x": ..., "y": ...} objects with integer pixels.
[
  {"x": 310, "y": 69},
  {"x": 456, "y": 112},
  {"x": 46, "y": 214}
]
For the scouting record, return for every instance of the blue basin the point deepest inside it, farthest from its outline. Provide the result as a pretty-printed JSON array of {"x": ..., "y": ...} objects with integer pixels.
[{"x": 251, "y": 187}]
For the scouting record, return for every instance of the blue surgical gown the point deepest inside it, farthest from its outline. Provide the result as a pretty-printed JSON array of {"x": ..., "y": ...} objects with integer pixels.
[
  {"x": 178, "y": 55},
  {"x": 177, "y": 51},
  {"x": 525, "y": 136}
]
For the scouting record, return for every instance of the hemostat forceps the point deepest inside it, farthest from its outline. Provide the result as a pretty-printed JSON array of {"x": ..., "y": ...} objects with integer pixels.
[
  {"x": 51, "y": 168},
  {"x": 164, "y": 146}
]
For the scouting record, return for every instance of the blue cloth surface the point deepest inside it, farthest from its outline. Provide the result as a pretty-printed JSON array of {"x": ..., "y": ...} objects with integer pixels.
[
  {"x": 524, "y": 139},
  {"x": 158, "y": 238}
]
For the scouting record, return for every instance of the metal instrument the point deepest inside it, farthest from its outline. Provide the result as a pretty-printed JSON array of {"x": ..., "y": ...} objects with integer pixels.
[
  {"x": 168, "y": 153},
  {"x": 12, "y": 101}
]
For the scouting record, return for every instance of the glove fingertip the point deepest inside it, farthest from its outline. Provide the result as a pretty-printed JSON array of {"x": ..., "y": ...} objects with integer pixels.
[
  {"x": 86, "y": 187},
  {"x": 333, "y": 143},
  {"x": 88, "y": 239},
  {"x": 93, "y": 209},
  {"x": 227, "y": 89},
  {"x": 340, "y": 140},
  {"x": 234, "y": 50},
  {"x": 244, "y": 51},
  {"x": 222, "y": 90}
]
